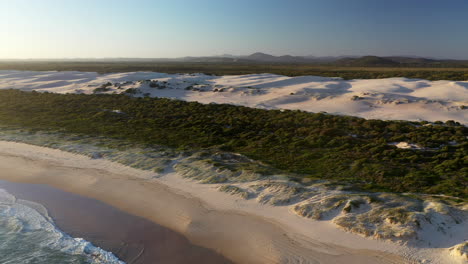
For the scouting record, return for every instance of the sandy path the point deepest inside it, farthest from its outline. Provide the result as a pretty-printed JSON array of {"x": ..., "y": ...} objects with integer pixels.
[{"x": 240, "y": 236}]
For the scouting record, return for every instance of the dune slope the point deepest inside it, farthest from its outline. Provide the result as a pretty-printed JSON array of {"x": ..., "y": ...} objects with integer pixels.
[{"x": 393, "y": 98}]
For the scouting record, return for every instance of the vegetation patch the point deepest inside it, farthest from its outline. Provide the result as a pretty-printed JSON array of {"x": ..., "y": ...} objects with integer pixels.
[
  {"x": 341, "y": 149},
  {"x": 281, "y": 193},
  {"x": 234, "y": 190}
]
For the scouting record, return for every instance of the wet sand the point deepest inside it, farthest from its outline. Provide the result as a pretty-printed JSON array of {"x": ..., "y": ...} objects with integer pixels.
[{"x": 133, "y": 239}]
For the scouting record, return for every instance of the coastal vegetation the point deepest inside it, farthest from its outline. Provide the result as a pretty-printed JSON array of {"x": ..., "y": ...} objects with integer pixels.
[
  {"x": 308, "y": 146},
  {"x": 399, "y": 217}
]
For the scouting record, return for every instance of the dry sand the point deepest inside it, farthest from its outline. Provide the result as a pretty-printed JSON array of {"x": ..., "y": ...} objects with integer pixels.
[
  {"x": 391, "y": 98},
  {"x": 222, "y": 223}
]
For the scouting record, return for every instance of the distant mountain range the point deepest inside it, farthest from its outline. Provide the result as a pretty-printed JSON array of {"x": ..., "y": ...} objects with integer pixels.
[
  {"x": 353, "y": 60},
  {"x": 262, "y": 58}
]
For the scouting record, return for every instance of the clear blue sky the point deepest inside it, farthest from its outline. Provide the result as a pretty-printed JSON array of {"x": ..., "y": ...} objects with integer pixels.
[{"x": 174, "y": 28}]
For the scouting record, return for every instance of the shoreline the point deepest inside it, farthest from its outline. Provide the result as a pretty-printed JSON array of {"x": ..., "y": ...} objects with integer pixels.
[
  {"x": 130, "y": 238},
  {"x": 208, "y": 218}
]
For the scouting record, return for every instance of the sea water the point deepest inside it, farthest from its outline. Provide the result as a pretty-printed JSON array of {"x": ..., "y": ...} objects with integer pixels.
[{"x": 29, "y": 235}]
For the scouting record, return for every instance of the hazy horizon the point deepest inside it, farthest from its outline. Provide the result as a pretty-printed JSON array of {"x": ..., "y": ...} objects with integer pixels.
[
  {"x": 52, "y": 29},
  {"x": 227, "y": 55}
]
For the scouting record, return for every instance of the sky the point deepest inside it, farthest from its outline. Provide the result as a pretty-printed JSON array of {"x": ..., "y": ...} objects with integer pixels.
[{"x": 177, "y": 28}]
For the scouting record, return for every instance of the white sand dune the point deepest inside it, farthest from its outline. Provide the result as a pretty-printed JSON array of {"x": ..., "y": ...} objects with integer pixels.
[{"x": 390, "y": 99}]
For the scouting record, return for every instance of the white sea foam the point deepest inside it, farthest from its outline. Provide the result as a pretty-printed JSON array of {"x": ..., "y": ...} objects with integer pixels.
[{"x": 39, "y": 238}]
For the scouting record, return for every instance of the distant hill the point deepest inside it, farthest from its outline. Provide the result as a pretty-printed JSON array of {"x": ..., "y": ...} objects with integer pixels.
[
  {"x": 411, "y": 60},
  {"x": 209, "y": 59},
  {"x": 397, "y": 61},
  {"x": 367, "y": 61},
  {"x": 341, "y": 61},
  {"x": 264, "y": 58},
  {"x": 259, "y": 56}
]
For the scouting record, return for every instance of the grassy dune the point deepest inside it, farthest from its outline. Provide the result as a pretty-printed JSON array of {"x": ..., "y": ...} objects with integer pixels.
[{"x": 399, "y": 217}]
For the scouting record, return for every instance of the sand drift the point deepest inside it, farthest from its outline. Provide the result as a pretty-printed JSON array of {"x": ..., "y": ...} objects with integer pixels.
[{"x": 389, "y": 99}]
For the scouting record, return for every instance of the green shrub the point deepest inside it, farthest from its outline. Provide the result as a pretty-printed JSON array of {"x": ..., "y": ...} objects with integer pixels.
[{"x": 310, "y": 145}]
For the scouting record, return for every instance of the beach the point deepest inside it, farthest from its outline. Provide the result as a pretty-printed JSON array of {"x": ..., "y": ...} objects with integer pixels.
[
  {"x": 132, "y": 239},
  {"x": 242, "y": 231}
]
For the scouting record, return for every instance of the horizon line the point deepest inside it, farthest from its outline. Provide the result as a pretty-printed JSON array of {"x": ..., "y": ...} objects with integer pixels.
[{"x": 227, "y": 56}]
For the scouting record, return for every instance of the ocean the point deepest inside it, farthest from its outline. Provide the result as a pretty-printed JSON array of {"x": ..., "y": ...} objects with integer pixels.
[{"x": 29, "y": 235}]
